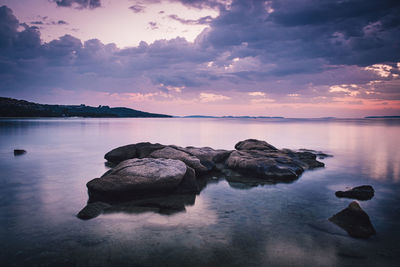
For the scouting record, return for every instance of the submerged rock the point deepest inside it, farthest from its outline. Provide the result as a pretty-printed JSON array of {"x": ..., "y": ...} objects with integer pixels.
[
  {"x": 354, "y": 221},
  {"x": 364, "y": 192},
  {"x": 92, "y": 210},
  {"x": 139, "y": 176},
  {"x": 18, "y": 152}
]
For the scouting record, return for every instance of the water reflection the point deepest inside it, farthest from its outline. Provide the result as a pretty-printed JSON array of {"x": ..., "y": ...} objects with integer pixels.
[{"x": 224, "y": 225}]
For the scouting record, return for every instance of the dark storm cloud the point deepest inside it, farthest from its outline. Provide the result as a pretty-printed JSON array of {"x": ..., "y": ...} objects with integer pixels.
[
  {"x": 200, "y": 21},
  {"x": 78, "y": 3},
  {"x": 347, "y": 33}
]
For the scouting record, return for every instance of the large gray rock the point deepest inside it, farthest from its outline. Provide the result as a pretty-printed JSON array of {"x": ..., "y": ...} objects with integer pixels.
[
  {"x": 173, "y": 153},
  {"x": 354, "y": 221},
  {"x": 140, "y": 176},
  {"x": 363, "y": 192},
  {"x": 139, "y": 150}
]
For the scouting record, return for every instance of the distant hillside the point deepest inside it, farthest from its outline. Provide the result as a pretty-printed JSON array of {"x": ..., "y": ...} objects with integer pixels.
[
  {"x": 233, "y": 117},
  {"x": 382, "y": 117},
  {"x": 10, "y": 107}
]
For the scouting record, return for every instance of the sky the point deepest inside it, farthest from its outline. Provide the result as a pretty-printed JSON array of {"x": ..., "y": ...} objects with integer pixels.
[{"x": 291, "y": 58}]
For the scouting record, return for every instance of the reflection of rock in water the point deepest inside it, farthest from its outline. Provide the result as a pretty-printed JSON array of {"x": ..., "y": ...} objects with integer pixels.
[
  {"x": 354, "y": 220},
  {"x": 166, "y": 178},
  {"x": 163, "y": 204}
]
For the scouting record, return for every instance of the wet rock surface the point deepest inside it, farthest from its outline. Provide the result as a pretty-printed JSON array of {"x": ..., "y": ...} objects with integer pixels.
[
  {"x": 354, "y": 221},
  {"x": 363, "y": 192}
]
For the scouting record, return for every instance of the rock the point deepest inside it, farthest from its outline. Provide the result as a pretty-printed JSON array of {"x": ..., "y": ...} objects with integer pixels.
[
  {"x": 208, "y": 157},
  {"x": 253, "y": 144},
  {"x": 18, "y": 152},
  {"x": 258, "y": 164},
  {"x": 172, "y": 153},
  {"x": 139, "y": 176},
  {"x": 306, "y": 160},
  {"x": 258, "y": 159},
  {"x": 92, "y": 210},
  {"x": 139, "y": 150},
  {"x": 319, "y": 154},
  {"x": 354, "y": 221},
  {"x": 189, "y": 183},
  {"x": 364, "y": 192}
]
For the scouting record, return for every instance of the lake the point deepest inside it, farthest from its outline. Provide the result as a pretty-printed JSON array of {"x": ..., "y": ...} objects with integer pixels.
[{"x": 229, "y": 224}]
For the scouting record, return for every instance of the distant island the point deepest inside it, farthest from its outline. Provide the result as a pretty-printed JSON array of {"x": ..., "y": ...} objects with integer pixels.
[
  {"x": 233, "y": 117},
  {"x": 382, "y": 117},
  {"x": 10, "y": 107}
]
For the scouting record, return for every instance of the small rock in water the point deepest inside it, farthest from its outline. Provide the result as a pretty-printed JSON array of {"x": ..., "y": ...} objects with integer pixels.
[
  {"x": 364, "y": 192},
  {"x": 18, "y": 152},
  {"x": 354, "y": 221}
]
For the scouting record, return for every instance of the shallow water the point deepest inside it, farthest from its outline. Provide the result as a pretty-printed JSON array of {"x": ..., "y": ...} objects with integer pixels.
[{"x": 228, "y": 225}]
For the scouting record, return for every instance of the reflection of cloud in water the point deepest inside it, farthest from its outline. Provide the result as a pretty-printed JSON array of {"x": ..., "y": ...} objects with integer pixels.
[
  {"x": 197, "y": 215},
  {"x": 304, "y": 253},
  {"x": 371, "y": 150}
]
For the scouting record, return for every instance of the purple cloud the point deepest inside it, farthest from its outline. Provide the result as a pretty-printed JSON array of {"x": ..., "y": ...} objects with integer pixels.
[
  {"x": 78, "y": 3},
  {"x": 282, "y": 49}
]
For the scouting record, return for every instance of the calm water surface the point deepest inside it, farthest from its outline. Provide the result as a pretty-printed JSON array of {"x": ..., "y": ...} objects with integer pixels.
[{"x": 229, "y": 224}]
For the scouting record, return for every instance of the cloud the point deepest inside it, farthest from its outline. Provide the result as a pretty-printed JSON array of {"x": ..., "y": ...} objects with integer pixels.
[
  {"x": 78, "y": 3},
  {"x": 200, "y": 21},
  {"x": 62, "y": 22},
  {"x": 253, "y": 52},
  {"x": 256, "y": 94},
  {"x": 210, "y": 97},
  {"x": 37, "y": 22},
  {"x": 153, "y": 25},
  {"x": 137, "y": 8}
]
